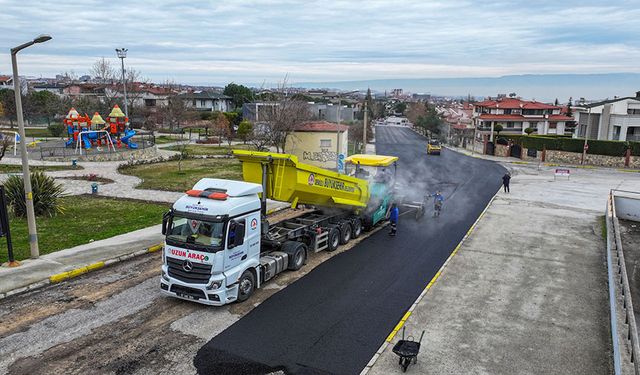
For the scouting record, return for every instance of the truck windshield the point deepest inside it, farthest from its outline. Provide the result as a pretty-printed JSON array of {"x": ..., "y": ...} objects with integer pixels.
[{"x": 197, "y": 234}]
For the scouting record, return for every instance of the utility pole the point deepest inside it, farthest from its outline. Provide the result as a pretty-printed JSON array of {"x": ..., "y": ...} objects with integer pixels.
[
  {"x": 122, "y": 54},
  {"x": 364, "y": 129},
  {"x": 26, "y": 176},
  {"x": 586, "y": 137},
  {"x": 338, "y": 133}
]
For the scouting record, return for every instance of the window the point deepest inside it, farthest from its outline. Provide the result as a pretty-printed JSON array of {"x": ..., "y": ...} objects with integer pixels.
[
  {"x": 202, "y": 235},
  {"x": 194, "y": 102},
  {"x": 633, "y": 111},
  {"x": 150, "y": 102},
  {"x": 553, "y": 125},
  {"x": 325, "y": 143}
]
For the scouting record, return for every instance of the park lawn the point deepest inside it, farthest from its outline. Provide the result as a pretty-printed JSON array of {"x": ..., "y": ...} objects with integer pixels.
[
  {"x": 209, "y": 150},
  {"x": 165, "y": 175},
  {"x": 14, "y": 168},
  {"x": 85, "y": 218},
  {"x": 32, "y": 132},
  {"x": 37, "y": 132},
  {"x": 162, "y": 139}
]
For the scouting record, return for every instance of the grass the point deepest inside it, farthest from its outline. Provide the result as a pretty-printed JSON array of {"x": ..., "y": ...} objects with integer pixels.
[
  {"x": 14, "y": 168},
  {"x": 166, "y": 139},
  {"x": 210, "y": 150},
  {"x": 31, "y": 132},
  {"x": 165, "y": 175},
  {"x": 86, "y": 218}
]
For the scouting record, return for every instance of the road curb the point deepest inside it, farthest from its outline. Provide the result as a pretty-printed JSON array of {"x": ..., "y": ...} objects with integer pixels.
[{"x": 408, "y": 313}]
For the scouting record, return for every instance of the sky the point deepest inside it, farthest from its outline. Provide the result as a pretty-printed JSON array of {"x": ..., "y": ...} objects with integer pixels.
[{"x": 262, "y": 42}]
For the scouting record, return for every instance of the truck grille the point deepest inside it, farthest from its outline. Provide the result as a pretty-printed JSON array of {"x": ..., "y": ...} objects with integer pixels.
[{"x": 199, "y": 274}]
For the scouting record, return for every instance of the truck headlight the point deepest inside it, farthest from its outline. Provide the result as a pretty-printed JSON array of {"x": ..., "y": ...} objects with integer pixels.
[{"x": 214, "y": 285}]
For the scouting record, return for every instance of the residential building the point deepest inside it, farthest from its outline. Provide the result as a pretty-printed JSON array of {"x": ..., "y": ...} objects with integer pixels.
[
  {"x": 616, "y": 119},
  {"x": 6, "y": 82},
  {"x": 207, "y": 101},
  {"x": 53, "y": 88},
  {"x": 515, "y": 115},
  {"x": 258, "y": 111},
  {"x": 317, "y": 143}
]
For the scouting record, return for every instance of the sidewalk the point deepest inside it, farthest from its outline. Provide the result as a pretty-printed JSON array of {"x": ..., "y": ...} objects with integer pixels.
[{"x": 527, "y": 291}]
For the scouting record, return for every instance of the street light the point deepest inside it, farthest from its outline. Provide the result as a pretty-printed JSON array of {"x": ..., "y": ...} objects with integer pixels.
[
  {"x": 122, "y": 54},
  {"x": 339, "y": 111},
  {"x": 28, "y": 193}
]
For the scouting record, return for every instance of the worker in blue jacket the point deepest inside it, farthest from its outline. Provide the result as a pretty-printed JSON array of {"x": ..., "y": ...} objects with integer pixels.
[{"x": 393, "y": 218}]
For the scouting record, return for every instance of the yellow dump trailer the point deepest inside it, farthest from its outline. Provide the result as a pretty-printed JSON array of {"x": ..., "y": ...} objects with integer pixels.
[{"x": 286, "y": 179}]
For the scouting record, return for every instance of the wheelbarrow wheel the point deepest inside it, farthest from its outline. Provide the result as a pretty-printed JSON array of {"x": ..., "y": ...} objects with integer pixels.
[{"x": 405, "y": 362}]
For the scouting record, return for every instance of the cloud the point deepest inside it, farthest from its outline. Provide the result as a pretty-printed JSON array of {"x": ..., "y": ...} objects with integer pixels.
[{"x": 211, "y": 42}]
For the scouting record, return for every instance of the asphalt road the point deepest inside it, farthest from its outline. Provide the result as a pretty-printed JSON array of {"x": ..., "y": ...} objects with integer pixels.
[{"x": 334, "y": 319}]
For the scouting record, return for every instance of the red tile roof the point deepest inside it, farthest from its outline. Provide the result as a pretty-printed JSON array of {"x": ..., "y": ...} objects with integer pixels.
[
  {"x": 560, "y": 118},
  {"x": 487, "y": 116},
  {"x": 320, "y": 126},
  {"x": 4, "y": 78},
  {"x": 512, "y": 103}
]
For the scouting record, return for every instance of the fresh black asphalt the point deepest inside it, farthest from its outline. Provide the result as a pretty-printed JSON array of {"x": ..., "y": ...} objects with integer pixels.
[{"x": 336, "y": 317}]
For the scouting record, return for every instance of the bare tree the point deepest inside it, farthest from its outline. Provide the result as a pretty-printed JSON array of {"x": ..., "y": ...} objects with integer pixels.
[
  {"x": 5, "y": 142},
  {"x": 104, "y": 71},
  {"x": 221, "y": 126},
  {"x": 283, "y": 118}
]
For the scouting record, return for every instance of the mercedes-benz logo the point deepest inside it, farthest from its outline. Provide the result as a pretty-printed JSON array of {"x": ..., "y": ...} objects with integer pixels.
[{"x": 187, "y": 265}]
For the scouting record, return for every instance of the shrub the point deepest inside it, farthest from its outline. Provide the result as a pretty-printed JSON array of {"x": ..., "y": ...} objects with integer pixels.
[
  {"x": 56, "y": 130},
  {"x": 529, "y": 130},
  {"x": 46, "y": 194}
]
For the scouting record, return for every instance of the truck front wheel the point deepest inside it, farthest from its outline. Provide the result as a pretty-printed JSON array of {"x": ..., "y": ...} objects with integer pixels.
[{"x": 246, "y": 285}]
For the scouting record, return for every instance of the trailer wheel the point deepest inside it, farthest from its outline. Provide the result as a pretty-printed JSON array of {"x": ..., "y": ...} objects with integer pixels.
[
  {"x": 297, "y": 254},
  {"x": 334, "y": 239},
  {"x": 345, "y": 233},
  {"x": 246, "y": 285},
  {"x": 357, "y": 228}
]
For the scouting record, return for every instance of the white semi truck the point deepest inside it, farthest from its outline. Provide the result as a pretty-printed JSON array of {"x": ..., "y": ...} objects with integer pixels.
[{"x": 219, "y": 247}]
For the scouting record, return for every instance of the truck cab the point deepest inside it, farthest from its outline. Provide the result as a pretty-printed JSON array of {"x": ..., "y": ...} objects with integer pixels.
[{"x": 212, "y": 244}]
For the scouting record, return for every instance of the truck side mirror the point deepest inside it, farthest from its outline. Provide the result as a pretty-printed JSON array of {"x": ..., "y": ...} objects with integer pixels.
[{"x": 165, "y": 220}]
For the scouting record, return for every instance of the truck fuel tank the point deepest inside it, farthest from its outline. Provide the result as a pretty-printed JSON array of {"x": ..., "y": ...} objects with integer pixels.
[{"x": 273, "y": 263}]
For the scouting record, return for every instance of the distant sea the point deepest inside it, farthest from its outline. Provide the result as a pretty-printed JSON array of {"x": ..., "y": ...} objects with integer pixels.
[{"x": 542, "y": 87}]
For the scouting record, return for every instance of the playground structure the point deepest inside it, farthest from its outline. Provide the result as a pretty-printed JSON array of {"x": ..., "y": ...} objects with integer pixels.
[{"x": 89, "y": 132}]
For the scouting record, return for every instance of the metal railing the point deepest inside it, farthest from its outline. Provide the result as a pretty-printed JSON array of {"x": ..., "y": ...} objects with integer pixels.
[
  {"x": 143, "y": 141},
  {"x": 622, "y": 282}
]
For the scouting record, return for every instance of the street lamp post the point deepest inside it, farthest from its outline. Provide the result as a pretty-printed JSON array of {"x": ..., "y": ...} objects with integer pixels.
[
  {"x": 586, "y": 137},
  {"x": 28, "y": 193},
  {"x": 122, "y": 54}
]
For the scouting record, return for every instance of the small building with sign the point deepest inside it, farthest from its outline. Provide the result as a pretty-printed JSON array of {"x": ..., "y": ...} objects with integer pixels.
[{"x": 317, "y": 143}]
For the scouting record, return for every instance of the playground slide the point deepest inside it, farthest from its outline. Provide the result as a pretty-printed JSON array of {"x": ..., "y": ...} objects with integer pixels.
[
  {"x": 127, "y": 139},
  {"x": 87, "y": 143},
  {"x": 69, "y": 142}
]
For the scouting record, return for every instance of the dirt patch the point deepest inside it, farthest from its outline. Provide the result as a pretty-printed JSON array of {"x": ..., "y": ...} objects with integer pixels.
[
  {"x": 140, "y": 341},
  {"x": 88, "y": 177},
  {"x": 24, "y": 310}
]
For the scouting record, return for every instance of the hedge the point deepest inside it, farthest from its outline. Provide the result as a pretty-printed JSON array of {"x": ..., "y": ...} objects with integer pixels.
[{"x": 563, "y": 143}]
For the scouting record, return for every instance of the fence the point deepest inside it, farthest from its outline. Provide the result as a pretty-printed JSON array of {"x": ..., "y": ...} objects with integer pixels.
[
  {"x": 45, "y": 151},
  {"x": 621, "y": 281}
]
